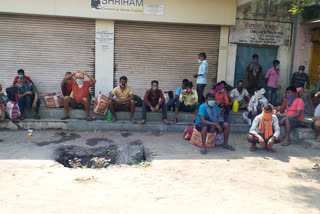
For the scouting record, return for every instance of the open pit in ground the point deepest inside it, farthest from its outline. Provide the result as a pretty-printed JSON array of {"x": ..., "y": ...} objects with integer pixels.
[{"x": 102, "y": 157}]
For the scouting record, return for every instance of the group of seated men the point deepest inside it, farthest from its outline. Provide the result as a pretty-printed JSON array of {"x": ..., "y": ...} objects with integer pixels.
[{"x": 208, "y": 116}]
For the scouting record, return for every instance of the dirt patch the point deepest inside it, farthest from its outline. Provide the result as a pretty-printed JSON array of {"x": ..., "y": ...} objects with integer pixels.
[
  {"x": 126, "y": 134},
  {"x": 63, "y": 139},
  {"x": 136, "y": 142},
  {"x": 156, "y": 134},
  {"x": 86, "y": 180},
  {"x": 95, "y": 141}
]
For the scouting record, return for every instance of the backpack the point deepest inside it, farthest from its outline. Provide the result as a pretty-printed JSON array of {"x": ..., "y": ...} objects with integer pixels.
[
  {"x": 12, "y": 94},
  {"x": 170, "y": 94},
  {"x": 12, "y": 110},
  {"x": 138, "y": 101},
  {"x": 188, "y": 132},
  {"x": 172, "y": 104}
]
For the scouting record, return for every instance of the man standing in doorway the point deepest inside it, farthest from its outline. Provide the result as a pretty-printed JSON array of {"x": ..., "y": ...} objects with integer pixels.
[
  {"x": 271, "y": 79},
  {"x": 253, "y": 75},
  {"x": 202, "y": 76}
]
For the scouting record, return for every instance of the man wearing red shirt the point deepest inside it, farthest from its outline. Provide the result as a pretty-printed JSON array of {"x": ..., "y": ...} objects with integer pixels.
[
  {"x": 294, "y": 115},
  {"x": 80, "y": 90},
  {"x": 21, "y": 74}
]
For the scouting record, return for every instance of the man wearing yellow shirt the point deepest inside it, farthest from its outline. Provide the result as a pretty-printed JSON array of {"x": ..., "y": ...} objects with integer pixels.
[
  {"x": 124, "y": 100},
  {"x": 188, "y": 101}
]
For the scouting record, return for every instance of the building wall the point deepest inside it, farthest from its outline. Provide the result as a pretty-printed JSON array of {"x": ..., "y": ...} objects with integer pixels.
[
  {"x": 264, "y": 12},
  {"x": 302, "y": 55},
  {"x": 214, "y": 12},
  {"x": 206, "y": 12}
]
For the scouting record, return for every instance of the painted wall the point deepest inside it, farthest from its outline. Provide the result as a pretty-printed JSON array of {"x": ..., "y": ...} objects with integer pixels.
[
  {"x": 303, "y": 46},
  {"x": 104, "y": 57},
  {"x": 265, "y": 12},
  {"x": 223, "y": 53},
  {"x": 215, "y": 12}
]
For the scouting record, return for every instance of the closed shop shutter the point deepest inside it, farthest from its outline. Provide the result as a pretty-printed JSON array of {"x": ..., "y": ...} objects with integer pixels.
[
  {"x": 164, "y": 52},
  {"x": 46, "y": 48},
  {"x": 315, "y": 63}
]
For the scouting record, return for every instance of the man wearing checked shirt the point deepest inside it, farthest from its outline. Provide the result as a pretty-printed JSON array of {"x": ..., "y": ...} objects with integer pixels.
[{"x": 201, "y": 76}]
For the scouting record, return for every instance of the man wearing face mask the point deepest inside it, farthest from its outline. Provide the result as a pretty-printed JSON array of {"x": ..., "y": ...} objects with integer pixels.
[
  {"x": 253, "y": 75},
  {"x": 294, "y": 115},
  {"x": 271, "y": 79},
  {"x": 20, "y": 75},
  {"x": 201, "y": 75},
  {"x": 302, "y": 80},
  {"x": 80, "y": 89},
  {"x": 188, "y": 101},
  {"x": 265, "y": 130},
  {"x": 124, "y": 100},
  {"x": 28, "y": 97},
  {"x": 12, "y": 91},
  {"x": 154, "y": 100},
  {"x": 210, "y": 120},
  {"x": 240, "y": 94}
]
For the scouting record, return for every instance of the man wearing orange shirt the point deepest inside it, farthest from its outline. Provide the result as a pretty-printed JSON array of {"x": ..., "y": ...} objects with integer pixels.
[{"x": 80, "y": 90}]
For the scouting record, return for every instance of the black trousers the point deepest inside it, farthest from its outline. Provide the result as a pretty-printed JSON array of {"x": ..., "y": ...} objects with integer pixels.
[{"x": 200, "y": 89}]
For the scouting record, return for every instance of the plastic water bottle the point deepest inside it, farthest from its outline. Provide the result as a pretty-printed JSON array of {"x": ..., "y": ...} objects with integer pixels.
[
  {"x": 235, "y": 107},
  {"x": 109, "y": 116}
]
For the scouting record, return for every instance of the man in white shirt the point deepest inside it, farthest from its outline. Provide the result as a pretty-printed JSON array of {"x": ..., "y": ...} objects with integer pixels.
[
  {"x": 265, "y": 130},
  {"x": 240, "y": 94},
  {"x": 202, "y": 76}
]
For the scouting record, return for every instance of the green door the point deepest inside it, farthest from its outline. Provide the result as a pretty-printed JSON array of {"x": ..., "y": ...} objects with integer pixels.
[{"x": 244, "y": 58}]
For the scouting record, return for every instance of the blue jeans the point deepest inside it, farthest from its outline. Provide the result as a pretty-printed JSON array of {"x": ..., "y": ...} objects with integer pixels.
[
  {"x": 274, "y": 92},
  {"x": 27, "y": 102}
]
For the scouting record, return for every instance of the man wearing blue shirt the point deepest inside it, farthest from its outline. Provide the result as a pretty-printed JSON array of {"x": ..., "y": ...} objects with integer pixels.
[
  {"x": 209, "y": 120},
  {"x": 201, "y": 76}
]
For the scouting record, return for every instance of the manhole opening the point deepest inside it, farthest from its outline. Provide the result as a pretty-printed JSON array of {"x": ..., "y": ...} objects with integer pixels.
[{"x": 102, "y": 157}]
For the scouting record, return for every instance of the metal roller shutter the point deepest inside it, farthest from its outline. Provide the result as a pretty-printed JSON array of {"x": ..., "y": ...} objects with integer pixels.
[
  {"x": 46, "y": 48},
  {"x": 163, "y": 52}
]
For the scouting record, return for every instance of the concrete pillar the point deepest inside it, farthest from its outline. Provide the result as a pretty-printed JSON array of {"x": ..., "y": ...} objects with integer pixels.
[
  {"x": 104, "y": 66},
  {"x": 231, "y": 63},
  {"x": 284, "y": 80},
  {"x": 223, "y": 53}
]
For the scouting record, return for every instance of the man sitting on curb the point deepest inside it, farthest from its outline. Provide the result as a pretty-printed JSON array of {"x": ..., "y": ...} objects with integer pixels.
[
  {"x": 152, "y": 102},
  {"x": 80, "y": 88},
  {"x": 209, "y": 120},
  {"x": 188, "y": 101},
  {"x": 21, "y": 74},
  {"x": 124, "y": 100},
  {"x": 294, "y": 115},
  {"x": 28, "y": 97},
  {"x": 240, "y": 94},
  {"x": 265, "y": 130}
]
